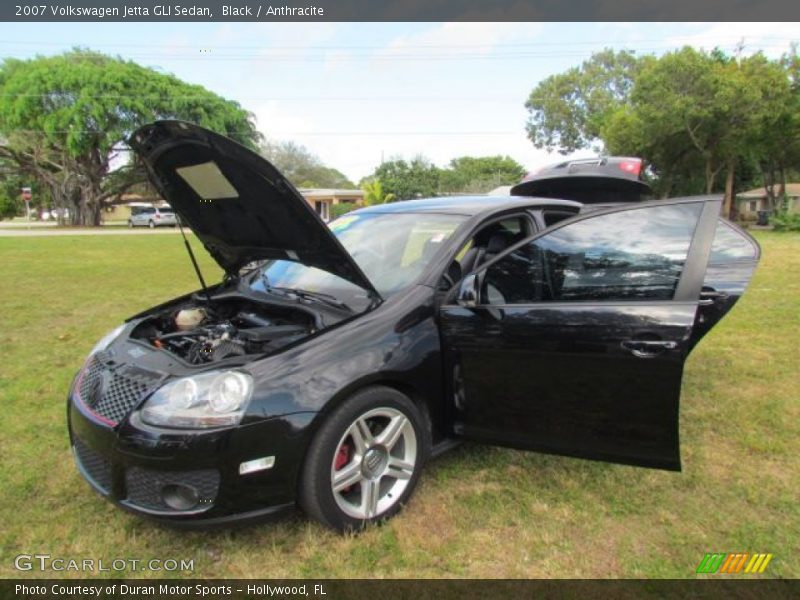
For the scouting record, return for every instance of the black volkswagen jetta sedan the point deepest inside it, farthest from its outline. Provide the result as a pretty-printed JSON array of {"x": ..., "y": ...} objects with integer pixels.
[{"x": 332, "y": 362}]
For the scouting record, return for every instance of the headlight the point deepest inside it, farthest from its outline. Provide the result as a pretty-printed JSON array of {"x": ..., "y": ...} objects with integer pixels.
[
  {"x": 106, "y": 340},
  {"x": 215, "y": 399}
]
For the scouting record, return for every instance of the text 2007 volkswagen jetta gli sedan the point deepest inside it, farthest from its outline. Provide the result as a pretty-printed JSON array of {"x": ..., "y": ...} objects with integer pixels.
[{"x": 330, "y": 363}]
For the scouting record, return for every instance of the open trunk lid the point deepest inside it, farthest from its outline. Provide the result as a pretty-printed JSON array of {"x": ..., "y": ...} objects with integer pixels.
[{"x": 607, "y": 179}]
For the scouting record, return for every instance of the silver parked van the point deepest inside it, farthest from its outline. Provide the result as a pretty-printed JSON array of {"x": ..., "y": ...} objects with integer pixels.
[{"x": 151, "y": 216}]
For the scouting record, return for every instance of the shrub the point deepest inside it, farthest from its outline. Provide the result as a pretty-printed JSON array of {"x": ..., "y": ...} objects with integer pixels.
[
  {"x": 782, "y": 219},
  {"x": 8, "y": 206},
  {"x": 337, "y": 210},
  {"x": 785, "y": 221}
]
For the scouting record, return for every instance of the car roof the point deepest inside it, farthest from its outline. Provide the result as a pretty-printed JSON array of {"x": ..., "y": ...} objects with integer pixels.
[{"x": 466, "y": 205}]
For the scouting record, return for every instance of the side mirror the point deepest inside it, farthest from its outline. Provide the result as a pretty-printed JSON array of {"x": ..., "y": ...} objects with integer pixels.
[{"x": 468, "y": 292}]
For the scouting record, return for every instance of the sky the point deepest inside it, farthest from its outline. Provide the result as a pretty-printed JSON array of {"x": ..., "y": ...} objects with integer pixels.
[{"x": 355, "y": 94}]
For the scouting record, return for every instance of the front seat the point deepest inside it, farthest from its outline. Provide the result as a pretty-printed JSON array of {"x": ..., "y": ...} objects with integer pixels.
[
  {"x": 497, "y": 243},
  {"x": 488, "y": 247}
]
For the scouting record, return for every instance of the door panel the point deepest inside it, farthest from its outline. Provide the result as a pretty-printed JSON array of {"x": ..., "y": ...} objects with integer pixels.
[
  {"x": 560, "y": 379},
  {"x": 578, "y": 340}
]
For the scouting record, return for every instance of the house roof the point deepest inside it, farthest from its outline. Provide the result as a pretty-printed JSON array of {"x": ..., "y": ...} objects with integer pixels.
[
  {"x": 324, "y": 193},
  {"x": 792, "y": 190}
]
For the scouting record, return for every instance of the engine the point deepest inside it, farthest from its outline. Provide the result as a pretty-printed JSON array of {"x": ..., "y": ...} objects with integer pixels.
[{"x": 201, "y": 334}]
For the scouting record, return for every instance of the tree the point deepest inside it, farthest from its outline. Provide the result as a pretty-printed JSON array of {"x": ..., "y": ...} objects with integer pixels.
[
  {"x": 303, "y": 168},
  {"x": 398, "y": 179},
  {"x": 568, "y": 110},
  {"x": 405, "y": 180},
  {"x": 674, "y": 167},
  {"x": 692, "y": 106},
  {"x": 692, "y": 115},
  {"x": 777, "y": 138},
  {"x": 65, "y": 119},
  {"x": 479, "y": 174}
]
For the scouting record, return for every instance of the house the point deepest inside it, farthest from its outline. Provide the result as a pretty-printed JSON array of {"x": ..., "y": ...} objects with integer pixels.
[
  {"x": 320, "y": 199},
  {"x": 323, "y": 199},
  {"x": 750, "y": 202}
]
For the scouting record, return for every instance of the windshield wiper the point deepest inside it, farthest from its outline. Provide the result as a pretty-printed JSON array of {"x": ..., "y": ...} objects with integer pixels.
[{"x": 309, "y": 295}]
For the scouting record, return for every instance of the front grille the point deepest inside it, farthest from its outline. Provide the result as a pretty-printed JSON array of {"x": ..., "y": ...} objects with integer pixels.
[
  {"x": 91, "y": 379},
  {"x": 127, "y": 385},
  {"x": 144, "y": 486},
  {"x": 111, "y": 390},
  {"x": 94, "y": 465}
]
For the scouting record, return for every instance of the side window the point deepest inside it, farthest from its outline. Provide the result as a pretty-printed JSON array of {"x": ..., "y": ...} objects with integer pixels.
[
  {"x": 551, "y": 217},
  {"x": 492, "y": 239},
  {"x": 515, "y": 225},
  {"x": 630, "y": 255},
  {"x": 729, "y": 245}
]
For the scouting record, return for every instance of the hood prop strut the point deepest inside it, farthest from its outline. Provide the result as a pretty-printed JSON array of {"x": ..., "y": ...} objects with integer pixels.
[{"x": 194, "y": 261}]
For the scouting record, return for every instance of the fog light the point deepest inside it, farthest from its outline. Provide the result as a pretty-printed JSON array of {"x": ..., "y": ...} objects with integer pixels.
[
  {"x": 179, "y": 497},
  {"x": 258, "y": 464}
]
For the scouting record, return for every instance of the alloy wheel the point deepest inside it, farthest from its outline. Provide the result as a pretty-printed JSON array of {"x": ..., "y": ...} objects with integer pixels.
[{"x": 373, "y": 463}]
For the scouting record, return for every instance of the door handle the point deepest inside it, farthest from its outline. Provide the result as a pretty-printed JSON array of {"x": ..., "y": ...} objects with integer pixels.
[
  {"x": 648, "y": 348},
  {"x": 709, "y": 297}
]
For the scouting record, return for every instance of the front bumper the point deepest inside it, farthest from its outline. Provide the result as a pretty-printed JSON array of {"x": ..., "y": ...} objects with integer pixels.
[{"x": 140, "y": 467}]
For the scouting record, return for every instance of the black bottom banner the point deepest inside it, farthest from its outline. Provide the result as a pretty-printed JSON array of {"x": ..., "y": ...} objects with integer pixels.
[{"x": 389, "y": 589}]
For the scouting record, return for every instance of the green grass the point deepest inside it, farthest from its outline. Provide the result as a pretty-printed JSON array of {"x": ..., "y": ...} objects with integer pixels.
[{"x": 479, "y": 511}]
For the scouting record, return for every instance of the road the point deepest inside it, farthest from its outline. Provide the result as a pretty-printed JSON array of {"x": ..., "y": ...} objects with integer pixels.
[{"x": 21, "y": 229}]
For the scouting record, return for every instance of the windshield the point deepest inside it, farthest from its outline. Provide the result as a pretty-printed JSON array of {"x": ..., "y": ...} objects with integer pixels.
[{"x": 391, "y": 249}]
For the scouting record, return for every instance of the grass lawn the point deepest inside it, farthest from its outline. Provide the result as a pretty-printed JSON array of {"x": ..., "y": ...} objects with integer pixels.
[{"x": 479, "y": 511}]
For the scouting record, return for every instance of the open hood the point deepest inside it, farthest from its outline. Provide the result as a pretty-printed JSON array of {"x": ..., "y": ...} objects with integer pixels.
[
  {"x": 236, "y": 202},
  {"x": 590, "y": 181}
]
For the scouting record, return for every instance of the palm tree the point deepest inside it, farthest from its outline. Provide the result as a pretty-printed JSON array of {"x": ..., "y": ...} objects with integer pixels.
[{"x": 374, "y": 194}]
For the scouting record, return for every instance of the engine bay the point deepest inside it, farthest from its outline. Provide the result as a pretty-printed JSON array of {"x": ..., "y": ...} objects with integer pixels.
[{"x": 207, "y": 332}]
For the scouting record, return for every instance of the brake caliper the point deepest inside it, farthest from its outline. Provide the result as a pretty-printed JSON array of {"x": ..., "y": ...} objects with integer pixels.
[{"x": 342, "y": 457}]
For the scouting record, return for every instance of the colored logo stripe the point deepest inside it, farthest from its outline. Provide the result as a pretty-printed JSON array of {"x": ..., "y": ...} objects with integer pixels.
[
  {"x": 735, "y": 562},
  {"x": 710, "y": 563},
  {"x": 758, "y": 563}
]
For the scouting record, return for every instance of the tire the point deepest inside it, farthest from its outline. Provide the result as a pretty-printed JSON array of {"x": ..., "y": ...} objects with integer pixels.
[
  {"x": 151, "y": 225},
  {"x": 346, "y": 456}
]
